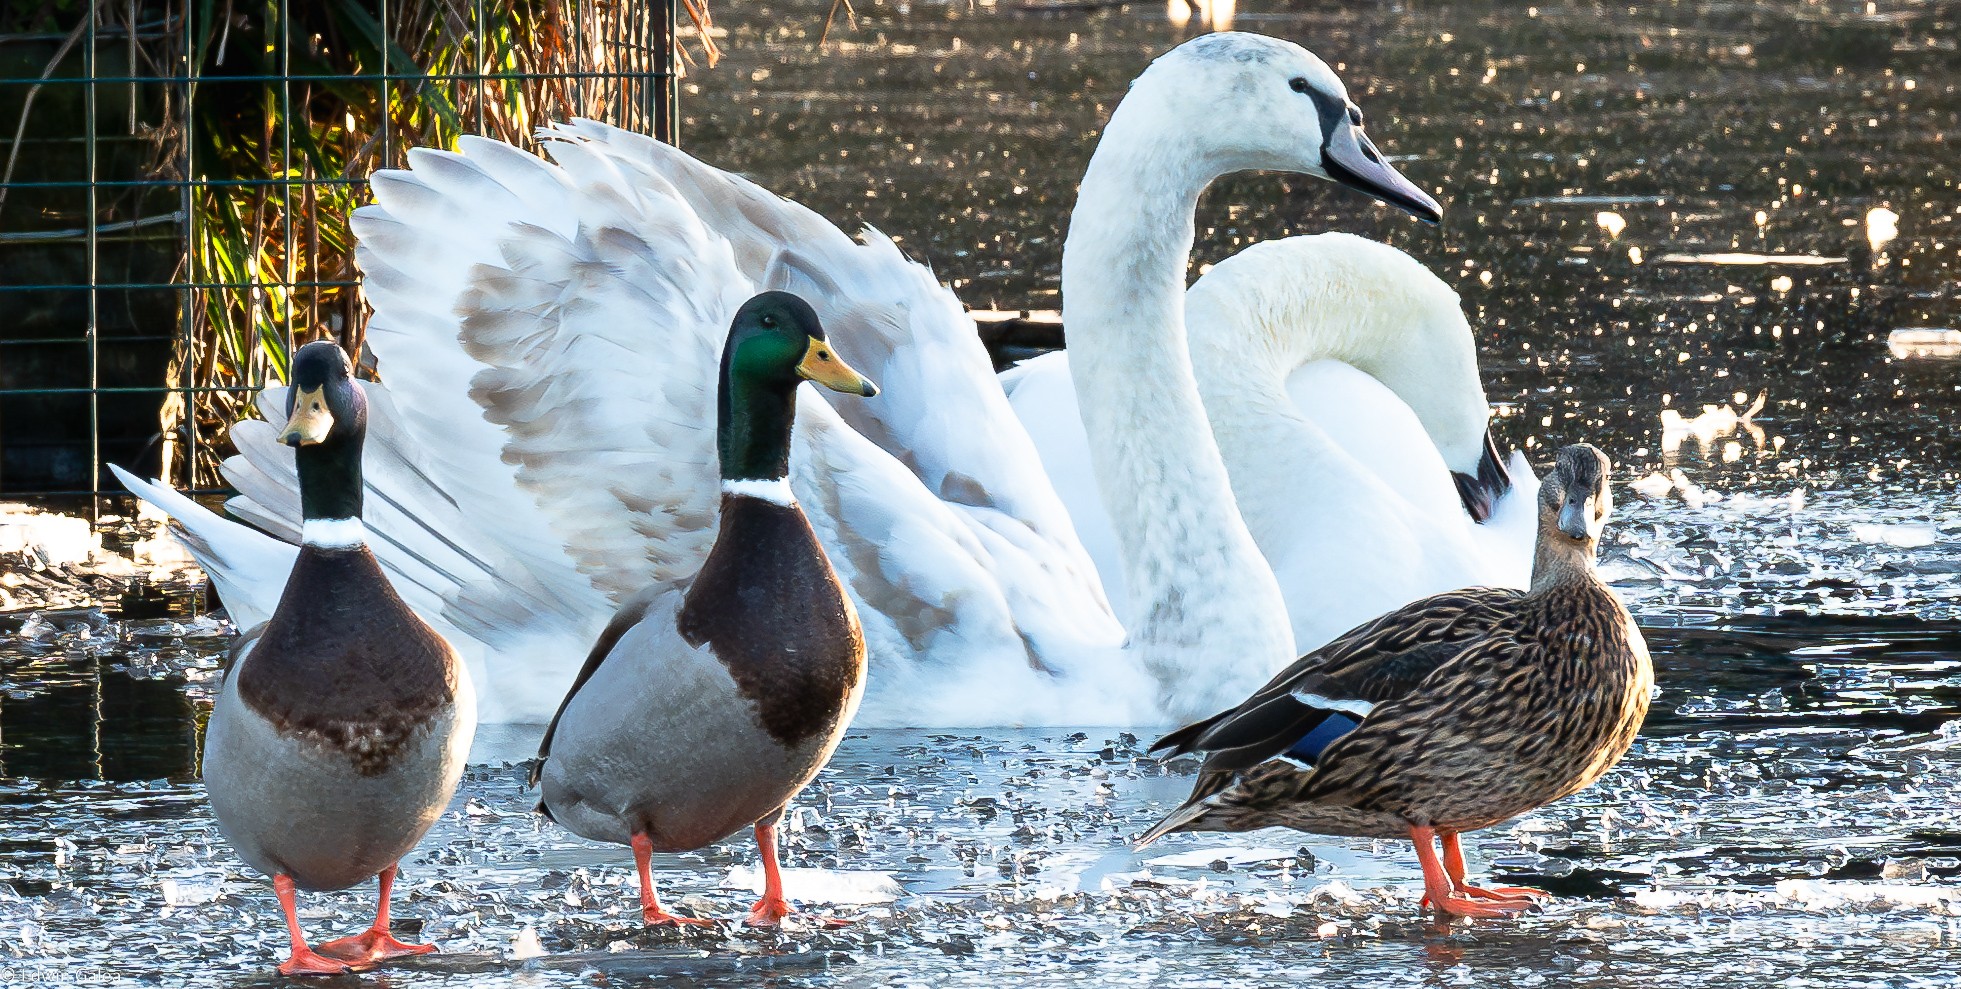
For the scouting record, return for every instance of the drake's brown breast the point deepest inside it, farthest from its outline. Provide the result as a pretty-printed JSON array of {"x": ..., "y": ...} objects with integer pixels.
[
  {"x": 769, "y": 606},
  {"x": 346, "y": 663}
]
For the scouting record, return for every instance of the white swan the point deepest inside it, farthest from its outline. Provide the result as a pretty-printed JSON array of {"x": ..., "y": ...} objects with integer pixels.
[
  {"x": 543, "y": 442},
  {"x": 1340, "y": 380},
  {"x": 543, "y": 445}
]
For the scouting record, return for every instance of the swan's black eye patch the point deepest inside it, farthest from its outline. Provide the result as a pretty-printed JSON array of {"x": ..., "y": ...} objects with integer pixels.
[
  {"x": 1298, "y": 84},
  {"x": 1355, "y": 115}
]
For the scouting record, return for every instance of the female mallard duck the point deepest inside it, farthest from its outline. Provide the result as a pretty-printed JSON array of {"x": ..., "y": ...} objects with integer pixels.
[
  {"x": 344, "y": 720},
  {"x": 709, "y": 702},
  {"x": 1454, "y": 713}
]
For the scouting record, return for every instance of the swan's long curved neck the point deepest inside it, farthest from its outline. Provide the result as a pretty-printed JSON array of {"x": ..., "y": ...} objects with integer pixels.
[
  {"x": 1279, "y": 305},
  {"x": 1203, "y": 594}
]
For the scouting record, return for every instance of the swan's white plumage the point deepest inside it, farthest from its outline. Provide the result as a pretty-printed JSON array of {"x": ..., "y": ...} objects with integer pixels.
[
  {"x": 542, "y": 445},
  {"x": 1339, "y": 472},
  {"x": 238, "y": 559}
]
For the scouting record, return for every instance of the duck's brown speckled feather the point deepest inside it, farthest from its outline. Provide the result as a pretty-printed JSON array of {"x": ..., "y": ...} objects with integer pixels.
[
  {"x": 1379, "y": 661},
  {"x": 1488, "y": 704}
]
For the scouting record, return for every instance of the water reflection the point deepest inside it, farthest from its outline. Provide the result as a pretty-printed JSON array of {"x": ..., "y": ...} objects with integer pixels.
[
  {"x": 1214, "y": 15},
  {"x": 1781, "y": 134}
]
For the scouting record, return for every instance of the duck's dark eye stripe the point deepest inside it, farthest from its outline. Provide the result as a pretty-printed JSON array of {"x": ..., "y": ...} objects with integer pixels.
[{"x": 1298, "y": 84}]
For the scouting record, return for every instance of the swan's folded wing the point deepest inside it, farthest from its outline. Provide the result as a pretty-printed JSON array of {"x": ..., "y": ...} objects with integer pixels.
[{"x": 966, "y": 621}]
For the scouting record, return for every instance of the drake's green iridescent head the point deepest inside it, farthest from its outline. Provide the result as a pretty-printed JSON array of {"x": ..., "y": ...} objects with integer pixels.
[{"x": 775, "y": 343}]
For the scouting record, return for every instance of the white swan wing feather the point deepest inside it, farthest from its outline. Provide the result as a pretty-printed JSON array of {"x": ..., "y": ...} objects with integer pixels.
[
  {"x": 552, "y": 333},
  {"x": 940, "y": 410},
  {"x": 1043, "y": 397}
]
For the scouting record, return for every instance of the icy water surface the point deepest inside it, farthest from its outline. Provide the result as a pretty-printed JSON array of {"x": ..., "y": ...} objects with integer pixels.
[
  {"x": 1734, "y": 849},
  {"x": 1789, "y": 814},
  {"x": 1652, "y": 209}
]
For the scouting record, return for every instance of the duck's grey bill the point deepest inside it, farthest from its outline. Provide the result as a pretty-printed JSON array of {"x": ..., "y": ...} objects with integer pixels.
[{"x": 1573, "y": 517}]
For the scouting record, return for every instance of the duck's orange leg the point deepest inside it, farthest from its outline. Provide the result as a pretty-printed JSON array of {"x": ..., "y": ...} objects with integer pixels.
[
  {"x": 304, "y": 961},
  {"x": 772, "y": 908},
  {"x": 651, "y": 912},
  {"x": 1440, "y": 891},
  {"x": 1454, "y": 866},
  {"x": 376, "y": 943}
]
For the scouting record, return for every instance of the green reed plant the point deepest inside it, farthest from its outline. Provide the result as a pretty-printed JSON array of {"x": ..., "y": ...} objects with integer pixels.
[{"x": 318, "y": 109}]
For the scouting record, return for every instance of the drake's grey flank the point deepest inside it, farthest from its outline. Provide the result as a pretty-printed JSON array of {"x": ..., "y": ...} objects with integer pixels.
[
  {"x": 1451, "y": 714},
  {"x": 708, "y": 703}
]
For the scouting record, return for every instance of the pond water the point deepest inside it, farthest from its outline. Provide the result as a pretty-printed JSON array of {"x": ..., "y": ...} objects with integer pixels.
[{"x": 1649, "y": 208}]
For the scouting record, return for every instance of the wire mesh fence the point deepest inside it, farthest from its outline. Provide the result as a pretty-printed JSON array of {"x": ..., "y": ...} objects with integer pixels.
[{"x": 177, "y": 177}]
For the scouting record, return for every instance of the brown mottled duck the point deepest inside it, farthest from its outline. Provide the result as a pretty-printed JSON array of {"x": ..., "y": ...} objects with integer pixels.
[{"x": 1454, "y": 713}]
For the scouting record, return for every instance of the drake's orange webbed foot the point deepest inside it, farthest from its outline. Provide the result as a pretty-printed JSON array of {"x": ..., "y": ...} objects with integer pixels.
[
  {"x": 773, "y": 907},
  {"x": 306, "y": 961},
  {"x": 768, "y": 912},
  {"x": 372, "y": 945},
  {"x": 657, "y": 917},
  {"x": 652, "y": 913},
  {"x": 1525, "y": 893},
  {"x": 303, "y": 960}
]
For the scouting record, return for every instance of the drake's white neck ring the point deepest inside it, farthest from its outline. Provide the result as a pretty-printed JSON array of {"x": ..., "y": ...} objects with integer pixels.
[
  {"x": 775, "y": 490},
  {"x": 334, "y": 533}
]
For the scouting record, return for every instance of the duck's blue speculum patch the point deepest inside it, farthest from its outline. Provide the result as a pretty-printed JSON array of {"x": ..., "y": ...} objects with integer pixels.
[{"x": 1322, "y": 735}]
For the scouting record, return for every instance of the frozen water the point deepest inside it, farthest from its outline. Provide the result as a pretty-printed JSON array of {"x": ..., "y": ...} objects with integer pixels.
[
  {"x": 1788, "y": 815},
  {"x": 822, "y": 885},
  {"x": 1730, "y": 854}
]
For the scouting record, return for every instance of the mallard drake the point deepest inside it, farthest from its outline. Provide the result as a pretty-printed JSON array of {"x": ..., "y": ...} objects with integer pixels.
[
  {"x": 344, "y": 721},
  {"x": 1448, "y": 715},
  {"x": 708, "y": 703}
]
